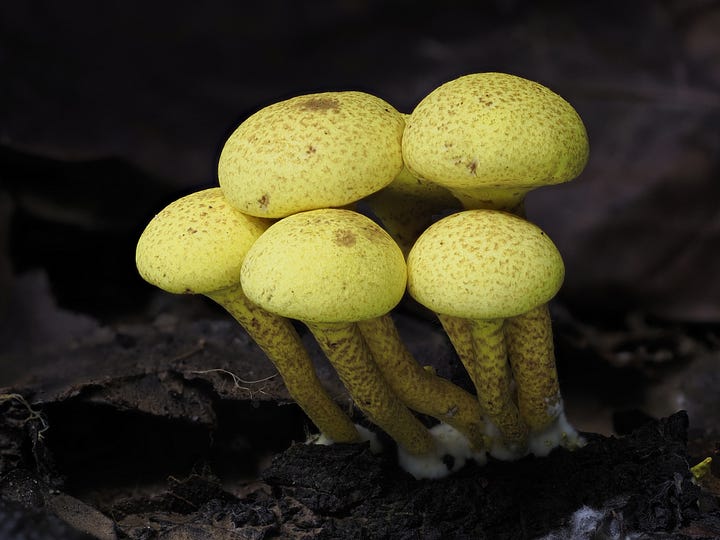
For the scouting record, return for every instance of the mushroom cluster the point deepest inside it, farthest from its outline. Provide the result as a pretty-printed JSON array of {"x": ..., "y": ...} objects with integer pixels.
[{"x": 440, "y": 216}]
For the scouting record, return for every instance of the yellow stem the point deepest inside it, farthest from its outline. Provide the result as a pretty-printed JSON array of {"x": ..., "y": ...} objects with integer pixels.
[
  {"x": 458, "y": 331},
  {"x": 277, "y": 337},
  {"x": 493, "y": 381},
  {"x": 348, "y": 352},
  {"x": 532, "y": 357},
  {"x": 418, "y": 388}
]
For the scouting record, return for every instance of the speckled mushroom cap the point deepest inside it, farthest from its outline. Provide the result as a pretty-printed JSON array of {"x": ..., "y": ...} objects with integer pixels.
[
  {"x": 325, "y": 266},
  {"x": 494, "y": 130},
  {"x": 314, "y": 151},
  {"x": 196, "y": 244},
  {"x": 484, "y": 264}
]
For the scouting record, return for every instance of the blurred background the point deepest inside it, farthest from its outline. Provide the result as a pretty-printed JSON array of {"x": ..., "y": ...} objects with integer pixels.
[{"x": 109, "y": 112}]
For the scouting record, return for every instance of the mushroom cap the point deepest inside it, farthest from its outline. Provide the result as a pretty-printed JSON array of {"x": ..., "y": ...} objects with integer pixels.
[
  {"x": 325, "y": 266},
  {"x": 196, "y": 244},
  {"x": 312, "y": 151},
  {"x": 494, "y": 130},
  {"x": 484, "y": 264}
]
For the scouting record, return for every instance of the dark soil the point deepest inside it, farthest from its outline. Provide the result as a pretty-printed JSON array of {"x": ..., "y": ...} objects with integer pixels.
[{"x": 146, "y": 434}]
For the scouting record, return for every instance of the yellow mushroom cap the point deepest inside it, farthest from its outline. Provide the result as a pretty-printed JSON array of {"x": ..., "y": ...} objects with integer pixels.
[
  {"x": 325, "y": 266},
  {"x": 196, "y": 244},
  {"x": 312, "y": 151},
  {"x": 484, "y": 264},
  {"x": 495, "y": 130}
]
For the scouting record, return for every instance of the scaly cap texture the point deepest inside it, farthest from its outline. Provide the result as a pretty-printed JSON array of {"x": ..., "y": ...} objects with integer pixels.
[
  {"x": 196, "y": 244},
  {"x": 313, "y": 151},
  {"x": 325, "y": 266},
  {"x": 494, "y": 130},
  {"x": 484, "y": 264}
]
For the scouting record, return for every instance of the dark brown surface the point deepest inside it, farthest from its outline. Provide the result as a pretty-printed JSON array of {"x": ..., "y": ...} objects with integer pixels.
[{"x": 146, "y": 433}]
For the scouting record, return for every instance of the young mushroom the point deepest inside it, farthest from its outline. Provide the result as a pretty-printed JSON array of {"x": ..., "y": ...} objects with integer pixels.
[
  {"x": 333, "y": 269},
  {"x": 196, "y": 245},
  {"x": 488, "y": 267},
  {"x": 491, "y": 137},
  {"x": 314, "y": 151}
]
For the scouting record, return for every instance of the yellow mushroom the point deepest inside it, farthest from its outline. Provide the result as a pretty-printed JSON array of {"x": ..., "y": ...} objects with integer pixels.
[
  {"x": 314, "y": 151},
  {"x": 491, "y": 137},
  {"x": 196, "y": 245},
  {"x": 485, "y": 268},
  {"x": 330, "y": 268}
]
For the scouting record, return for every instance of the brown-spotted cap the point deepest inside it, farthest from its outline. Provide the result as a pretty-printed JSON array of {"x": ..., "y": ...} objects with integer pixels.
[
  {"x": 325, "y": 266},
  {"x": 495, "y": 130},
  {"x": 313, "y": 151},
  {"x": 484, "y": 264}
]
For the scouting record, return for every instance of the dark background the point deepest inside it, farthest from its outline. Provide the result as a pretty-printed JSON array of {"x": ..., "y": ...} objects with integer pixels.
[{"x": 109, "y": 111}]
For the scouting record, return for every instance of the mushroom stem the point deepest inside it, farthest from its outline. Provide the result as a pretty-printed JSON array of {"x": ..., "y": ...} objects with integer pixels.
[
  {"x": 493, "y": 382},
  {"x": 350, "y": 355},
  {"x": 457, "y": 330},
  {"x": 418, "y": 388},
  {"x": 481, "y": 347},
  {"x": 277, "y": 337},
  {"x": 530, "y": 344}
]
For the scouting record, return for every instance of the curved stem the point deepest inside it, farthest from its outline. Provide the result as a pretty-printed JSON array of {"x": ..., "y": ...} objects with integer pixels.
[
  {"x": 458, "y": 331},
  {"x": 532, "y": 357},
  {"x": 494, "y": 383},
  {"x": 277, "y": 337},
  {"x": 348, "y": 352},
  {"x": 418, "y": 388}
]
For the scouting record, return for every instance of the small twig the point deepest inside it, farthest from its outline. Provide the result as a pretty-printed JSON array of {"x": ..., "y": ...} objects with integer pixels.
[
  {"x": 33, "y": 414},
  {"x": 237, "y": 380}
]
